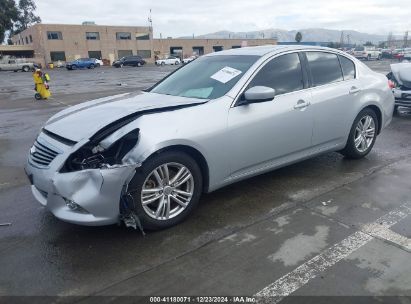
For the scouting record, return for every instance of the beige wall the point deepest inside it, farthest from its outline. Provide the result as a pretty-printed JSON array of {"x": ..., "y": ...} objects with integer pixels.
[
  {"x": 162, "y": 46},
  {"x": 75, "y": 44}
]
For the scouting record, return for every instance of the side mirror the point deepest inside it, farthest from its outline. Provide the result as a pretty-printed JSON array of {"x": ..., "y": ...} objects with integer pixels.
[{"x": 258, "y": 94}]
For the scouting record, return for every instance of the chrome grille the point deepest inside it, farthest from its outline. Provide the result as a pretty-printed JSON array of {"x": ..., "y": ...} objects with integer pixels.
[{"x": 42, "y": 154}]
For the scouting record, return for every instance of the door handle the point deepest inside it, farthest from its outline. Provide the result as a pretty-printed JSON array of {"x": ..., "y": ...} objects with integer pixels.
[
  {"x": 354, "y": 90},
  {"x": 301, "y": 104}
]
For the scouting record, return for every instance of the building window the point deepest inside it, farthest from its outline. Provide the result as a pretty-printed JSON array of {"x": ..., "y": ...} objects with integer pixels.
[
  {"x": 123, "y": 36},
  {"x": 236, "y": 46},
  {"x": 95, "y": 54},
  {"x": 217, "y": 48},
  {"x": 142, "y": 36},
  {"x": 54, "y": 36},
  {"x": 198, "y": 50},
  {"x": 56, "y": 56},
  {"x": 27, "y": 40},
  {"x": 144, "y": 53},
  {"x": 31, "y": 39},
  {"x": 124, "y": 53},
  {"x": 92, "y": 35},
  {"x": 176, "y": 51}
]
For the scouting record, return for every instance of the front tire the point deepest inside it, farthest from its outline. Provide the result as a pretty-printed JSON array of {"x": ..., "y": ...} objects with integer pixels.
[
  {"x": 26, "y": 68},
  {"x": 166, "y": 189},
  {"x": 362, "y": 135}
]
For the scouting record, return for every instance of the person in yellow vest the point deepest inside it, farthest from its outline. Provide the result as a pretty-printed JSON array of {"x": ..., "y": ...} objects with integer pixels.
[{"x": 41, "y": 84}]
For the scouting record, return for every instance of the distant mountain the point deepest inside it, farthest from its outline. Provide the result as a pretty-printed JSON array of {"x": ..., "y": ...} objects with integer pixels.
[{"x": 309, "y": 35}]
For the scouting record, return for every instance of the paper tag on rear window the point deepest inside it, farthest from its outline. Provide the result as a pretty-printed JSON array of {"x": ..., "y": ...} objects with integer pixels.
[{"x": 225, "y": 74}]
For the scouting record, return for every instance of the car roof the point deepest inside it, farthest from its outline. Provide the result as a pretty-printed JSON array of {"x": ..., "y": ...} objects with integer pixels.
[{"x": 267, "y": 49}]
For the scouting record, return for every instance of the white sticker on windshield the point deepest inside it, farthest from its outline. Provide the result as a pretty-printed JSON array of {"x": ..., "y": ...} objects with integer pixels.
[{"x": 225, "y": 74}]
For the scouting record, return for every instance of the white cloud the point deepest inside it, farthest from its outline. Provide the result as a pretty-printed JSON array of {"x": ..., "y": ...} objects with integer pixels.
[{"x": 187, "y": 17}]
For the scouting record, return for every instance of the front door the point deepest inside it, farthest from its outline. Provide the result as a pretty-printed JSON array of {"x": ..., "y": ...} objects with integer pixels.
[{"x": 266, "y": 134}]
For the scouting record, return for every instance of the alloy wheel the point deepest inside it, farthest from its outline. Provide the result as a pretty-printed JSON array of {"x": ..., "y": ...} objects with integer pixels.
[
  {"x": 364, "y": 133},
  {"x": 167, "y": 191}
]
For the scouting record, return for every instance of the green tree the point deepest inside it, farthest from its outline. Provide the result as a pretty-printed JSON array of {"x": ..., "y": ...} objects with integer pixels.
[
  {"x": 334, "y": 45},
  {"x": 382, "y": 45},
  {"x": 368, "y": 43},
  {"x": 8, "y": 16},
  {"x": 26, "y": 16},
  {"x": 298, "y": 37}
]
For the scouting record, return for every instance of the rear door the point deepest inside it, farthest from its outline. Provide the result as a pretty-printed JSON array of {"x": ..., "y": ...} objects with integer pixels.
[{"x": 335, "y": 89}]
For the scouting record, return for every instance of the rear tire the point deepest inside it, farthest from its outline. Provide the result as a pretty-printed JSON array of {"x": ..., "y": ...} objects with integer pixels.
[
  {"x": 37, "y": 96},
  {"x": 91, "y": 66},
  {"x": 26, "y": 68},
  {"x": 163, "y": 64},
  {"x": 144, "y": 179},
  {"x": 73, "y": 67},
  {"x": 362, "y": 137}
]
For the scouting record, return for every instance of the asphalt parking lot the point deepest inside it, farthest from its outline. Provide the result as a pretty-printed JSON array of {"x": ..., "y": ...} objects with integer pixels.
[{"x": 323, "y": 227}]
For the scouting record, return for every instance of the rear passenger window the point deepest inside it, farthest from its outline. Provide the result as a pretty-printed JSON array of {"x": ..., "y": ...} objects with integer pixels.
[
  {"x": 348, "y": 68},
  {"x": 282, "y": 74},
  {"x": 325, "y": 68}
]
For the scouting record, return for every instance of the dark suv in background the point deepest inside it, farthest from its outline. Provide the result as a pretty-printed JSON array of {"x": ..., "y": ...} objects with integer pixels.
[{"x": 129, "y": 61}]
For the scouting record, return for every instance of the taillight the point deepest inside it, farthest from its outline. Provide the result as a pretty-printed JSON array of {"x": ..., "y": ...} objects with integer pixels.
[{"x": 391, "y": 84}]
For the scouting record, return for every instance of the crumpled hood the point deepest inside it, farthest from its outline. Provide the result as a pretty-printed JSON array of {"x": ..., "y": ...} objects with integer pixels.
[
  {"x": 86, "y": 119},
  {"x": 402, "y": 72}
]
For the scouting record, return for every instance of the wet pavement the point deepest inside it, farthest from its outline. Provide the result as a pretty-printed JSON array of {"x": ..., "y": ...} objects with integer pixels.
[{"x": 325, "y": 226}]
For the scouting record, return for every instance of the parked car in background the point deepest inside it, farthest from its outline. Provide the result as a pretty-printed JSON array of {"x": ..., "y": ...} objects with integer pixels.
[
  {"x": 407, "y": 55},
  {"x": 170, "y": 60},
  {"x": 366, "y": 53},
  {"x": 402, "y": 54},
  {"x": 400, "y": 77},
  {"x": 134, "y": 61},
  {"x": 146, "y": 157},
  {"x": 16, "y": 64},
  {"x": 98, "y": 62},
  {"x": 59, "y": 64},
  {"x": 189, "y": 59},
  {"x": 387, "y": 53},
  {"x": 81, "y": 63}
]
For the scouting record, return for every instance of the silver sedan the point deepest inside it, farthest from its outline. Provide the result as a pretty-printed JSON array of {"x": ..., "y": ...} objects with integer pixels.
[{"x": 145, "y": 158}]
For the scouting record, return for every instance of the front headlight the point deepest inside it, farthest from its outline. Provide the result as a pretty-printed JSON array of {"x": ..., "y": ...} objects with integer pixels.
[{"x": 93, "y": 156}]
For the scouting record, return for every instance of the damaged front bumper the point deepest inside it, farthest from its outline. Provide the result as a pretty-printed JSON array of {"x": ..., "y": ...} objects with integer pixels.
[{"x": 88, "y": 197}]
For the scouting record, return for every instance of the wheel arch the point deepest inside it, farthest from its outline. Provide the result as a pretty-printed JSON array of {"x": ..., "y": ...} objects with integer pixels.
[
  {"x": 195, "y": 154},
  {"x": 378, "y": 112}
]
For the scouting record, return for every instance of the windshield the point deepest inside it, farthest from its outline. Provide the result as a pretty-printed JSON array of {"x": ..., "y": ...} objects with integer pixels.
[
  {"x": 359, "y": 49},
  {"x": 206, "y": 77}
]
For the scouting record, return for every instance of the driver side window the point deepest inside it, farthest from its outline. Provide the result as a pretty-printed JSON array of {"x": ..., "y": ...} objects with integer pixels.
[{"x": 283, "y": 74}]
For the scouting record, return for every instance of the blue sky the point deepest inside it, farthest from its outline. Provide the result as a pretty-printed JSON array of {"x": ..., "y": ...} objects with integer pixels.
[{"x": 187, "y": 17}]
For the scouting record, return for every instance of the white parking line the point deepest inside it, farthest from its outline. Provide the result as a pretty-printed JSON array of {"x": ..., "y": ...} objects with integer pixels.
[
  {"x": 384, "y": 233},
  {"x": 300, "y": 276}
]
